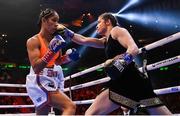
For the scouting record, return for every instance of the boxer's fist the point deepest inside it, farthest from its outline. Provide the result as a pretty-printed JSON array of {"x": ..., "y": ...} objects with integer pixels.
[
  {"x": 116, "y": 66},
  {"x": 73, "y": 54},
  {"x": 57, "y": 43},
  {"x": 54, "y": 46},
  {"x": 64, "y": 32}
]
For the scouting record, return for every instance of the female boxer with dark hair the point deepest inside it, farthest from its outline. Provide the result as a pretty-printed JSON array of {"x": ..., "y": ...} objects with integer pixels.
[
  {"x": 128, "y": 87},
  {"x": 45, "y": 80}
]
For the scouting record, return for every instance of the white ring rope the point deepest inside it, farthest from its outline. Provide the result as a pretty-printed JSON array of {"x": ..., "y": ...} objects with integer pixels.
[
  {"x": 162, "y": 91},
  {"x": 84, "y": 101},
  {"x": 162, "y": 42},
  {"x": 12, "y": 85},
  {"x": 17, "y": 106},
  {"x": 153, "y": 66},
  {"x": 32, "y": 106},
  {"x": 166, "y": 62},
  {"x": 149, "y": 67},
  {"x": 88, "y": 84},
  {"x": 158, "y": 92},
  {"x": 13, "y": 94},
  {"x": 21, "y": 114},
  {"x": 85, "y": 71},
  {"x": 174, "y": 89},
  {"x": 156, "y": 65}
]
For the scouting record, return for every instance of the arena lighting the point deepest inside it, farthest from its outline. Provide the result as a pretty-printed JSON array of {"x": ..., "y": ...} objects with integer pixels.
[
  {"x": 99, "y": 70},
  {"x": 65, "y": 69},
  {"x": 87, "y": 28},
  {"x": 130, "y": 3},
  {"x": 24, "y": 67},
  {"x": 81, "y": 68},
  {"x": 83, "y": 48},
  {"x": 82, "y": 31},
  {"x": 135, "y": 17},
  {"x": 163, "y": 68},
  {"x": 159, "y": 20},
  {"x": 10, "y": 66},
  {"x": 93, "y": 34}
]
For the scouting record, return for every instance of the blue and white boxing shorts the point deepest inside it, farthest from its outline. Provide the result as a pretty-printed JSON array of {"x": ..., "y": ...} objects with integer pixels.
[{"x": 38, "y": 86}]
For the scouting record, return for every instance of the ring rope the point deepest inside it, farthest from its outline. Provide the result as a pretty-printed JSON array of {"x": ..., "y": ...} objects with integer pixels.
[
  {"x": 85, "y": 71},
  {"x": 21, "y": 114},
  {"x": 161, "y": 42},
  {"x": 153, "y": 66},
  {"x": 166, "y": 62},
  {"x": 148, "y": 47},
  {"x": 17, "y": 106},
  {"x": 31, "y": 106},
  {"x": 174, "y": 89},
  {"x": 88, "y": 84},
  {"x": 84, "y": 102},
  {"x": 13, "y": 94},
  {"x": 162, "y": 91},
  {"x": 12, "y": 85},
  {"x": 149, "y": 67},
  {"x": 153, "y": 45}
]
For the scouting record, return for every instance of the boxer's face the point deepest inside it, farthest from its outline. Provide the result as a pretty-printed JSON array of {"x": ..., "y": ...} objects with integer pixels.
[
  {"x": 101, "y": 26},
  {"x": 51, "y": 23}
]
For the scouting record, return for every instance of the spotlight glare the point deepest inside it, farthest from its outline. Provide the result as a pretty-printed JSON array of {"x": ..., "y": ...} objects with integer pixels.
[
  {"x": 87, "y": 28},
  {"x": 130, "y": 3},
  {"x": 135, "y": 17},
  {"x": 93, "y": 34},
  {"x": 156, "y": 20}
]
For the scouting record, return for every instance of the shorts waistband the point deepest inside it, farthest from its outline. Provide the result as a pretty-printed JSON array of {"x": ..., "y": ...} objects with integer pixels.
[{"x": 49, "y": 72}]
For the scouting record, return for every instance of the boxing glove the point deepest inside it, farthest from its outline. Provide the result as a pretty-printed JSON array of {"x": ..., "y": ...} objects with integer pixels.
[
  {"x": 115, "y": 68},
  {"x": 64, "y": 32},
  {"x": 54, "y": 46},
  {"x": 73, "y": 54}
]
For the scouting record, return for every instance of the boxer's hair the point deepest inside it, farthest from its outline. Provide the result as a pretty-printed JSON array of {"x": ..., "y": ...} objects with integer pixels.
[
  {"x": 109, "y": 16},
  {"x": 45, "y": 14}
]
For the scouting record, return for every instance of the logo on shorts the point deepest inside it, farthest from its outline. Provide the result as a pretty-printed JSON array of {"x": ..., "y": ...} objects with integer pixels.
[
  {"x": 118, "y": 65},
  {"x": 38, "y": 99}
]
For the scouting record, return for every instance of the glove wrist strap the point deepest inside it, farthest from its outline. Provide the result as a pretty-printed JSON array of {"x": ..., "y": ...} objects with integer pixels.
[
  {"x": 71, "y": 34},
  {"x": 48, "y": 56},
  {"x": 128, "y": 57}
]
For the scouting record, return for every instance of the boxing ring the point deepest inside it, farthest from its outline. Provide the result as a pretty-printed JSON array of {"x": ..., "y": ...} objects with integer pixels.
[{"x": 149, "y": 67}]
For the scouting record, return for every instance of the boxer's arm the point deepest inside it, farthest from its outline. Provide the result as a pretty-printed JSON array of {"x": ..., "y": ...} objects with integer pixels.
[
  {"x": 34, "y": 55},
  {"x": 88, "y": 41},
  {"x": 125, "y": 39},
  {"x": 33, "y": 48},
  {"x": 119, "y": 63},
  {"x": 79, "y": 39}
]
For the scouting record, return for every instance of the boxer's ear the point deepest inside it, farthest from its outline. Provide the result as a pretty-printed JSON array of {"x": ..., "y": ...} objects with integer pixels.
[{"x": 43, "y": 19}]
